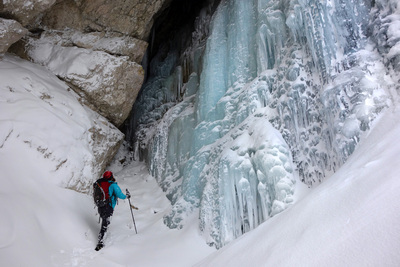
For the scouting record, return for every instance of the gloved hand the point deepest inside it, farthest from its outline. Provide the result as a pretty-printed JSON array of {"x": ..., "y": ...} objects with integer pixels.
[{"x": 128, "y": 195}]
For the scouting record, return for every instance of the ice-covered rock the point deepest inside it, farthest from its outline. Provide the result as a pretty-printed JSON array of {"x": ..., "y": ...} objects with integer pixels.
[
  {"x": 107, "y": 83},
  {"x": 43, "y": 113},
  {"x": 10, "y": 32}
]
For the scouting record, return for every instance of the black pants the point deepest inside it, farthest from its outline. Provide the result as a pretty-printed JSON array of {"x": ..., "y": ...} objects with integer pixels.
[{"x": 105, "y": 215}]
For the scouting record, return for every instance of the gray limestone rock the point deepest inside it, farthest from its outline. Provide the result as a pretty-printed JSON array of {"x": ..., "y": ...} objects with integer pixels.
[
  {"x": 63, "y": 15},
  {"x": 10, "y": 32},
  {"x": 25, "y": 11},
  {"x": 133, "y": 18}
]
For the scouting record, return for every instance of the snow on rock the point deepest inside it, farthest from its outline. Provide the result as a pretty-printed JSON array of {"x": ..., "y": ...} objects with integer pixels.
[
  {"x": 42, "y": 113},
  {"x": 111, "y": 43},
  {"x": 10, "y": 32},
  {"x": 109, "y": 83},
  {"x": 41, "y": 222}
]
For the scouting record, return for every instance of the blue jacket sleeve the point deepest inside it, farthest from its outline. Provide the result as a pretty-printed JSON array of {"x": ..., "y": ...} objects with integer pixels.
[{"x": 115, "y": 192}]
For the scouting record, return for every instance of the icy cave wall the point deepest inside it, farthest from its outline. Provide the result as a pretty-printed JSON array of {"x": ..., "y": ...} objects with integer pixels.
[{"x": 265, "y": 92}]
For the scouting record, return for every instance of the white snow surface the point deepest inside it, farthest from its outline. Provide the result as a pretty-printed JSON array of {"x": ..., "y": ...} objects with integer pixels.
[{"x": 351, "y": 219}]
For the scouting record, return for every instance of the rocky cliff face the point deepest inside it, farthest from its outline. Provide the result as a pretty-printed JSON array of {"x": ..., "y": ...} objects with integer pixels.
[
  {"x": 95, "y": 46},
  {"x": 114, "y": 31},
  {"x": 133, "y": 18}
]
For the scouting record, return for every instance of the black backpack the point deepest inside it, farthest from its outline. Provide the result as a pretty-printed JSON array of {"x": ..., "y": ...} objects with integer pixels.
[{"x": 101, "y": 195}]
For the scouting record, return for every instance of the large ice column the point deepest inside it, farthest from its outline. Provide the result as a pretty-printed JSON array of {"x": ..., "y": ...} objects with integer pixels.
[{"x": 229, "y": 57}]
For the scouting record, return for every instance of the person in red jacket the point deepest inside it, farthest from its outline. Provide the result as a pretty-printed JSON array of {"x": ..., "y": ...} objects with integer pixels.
[{"x": 114, "y": 191}]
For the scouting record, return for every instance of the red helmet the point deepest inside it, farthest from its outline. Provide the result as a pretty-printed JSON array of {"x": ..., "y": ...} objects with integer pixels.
[{"x": 107, "y": 174}]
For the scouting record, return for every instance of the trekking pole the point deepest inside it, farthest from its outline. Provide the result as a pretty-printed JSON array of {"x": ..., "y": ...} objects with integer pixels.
[{"x": 130, "y": 206}]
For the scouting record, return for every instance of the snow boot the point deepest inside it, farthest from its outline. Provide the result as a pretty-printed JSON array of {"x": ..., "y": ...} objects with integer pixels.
[{"x": 99, "y": 246}]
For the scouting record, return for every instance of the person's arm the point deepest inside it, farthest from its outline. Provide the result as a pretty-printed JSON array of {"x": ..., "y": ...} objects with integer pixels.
[{"x": 117, "y": 191}]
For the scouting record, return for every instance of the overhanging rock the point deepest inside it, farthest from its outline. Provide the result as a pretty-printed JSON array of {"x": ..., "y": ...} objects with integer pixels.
[{"x": 107, "y": 83}]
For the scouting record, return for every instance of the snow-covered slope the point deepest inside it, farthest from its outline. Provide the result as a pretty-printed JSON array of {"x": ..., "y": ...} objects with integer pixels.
[{"x": 39, "y": 220}]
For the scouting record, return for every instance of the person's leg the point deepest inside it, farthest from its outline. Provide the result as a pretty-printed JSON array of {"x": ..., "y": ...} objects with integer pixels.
[
  {"x": 105, "y": 222},
  {"x": 105, "y": 215}
]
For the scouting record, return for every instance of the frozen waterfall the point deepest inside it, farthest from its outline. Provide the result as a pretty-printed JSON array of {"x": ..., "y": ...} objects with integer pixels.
[{"x": 267, "y": 93}]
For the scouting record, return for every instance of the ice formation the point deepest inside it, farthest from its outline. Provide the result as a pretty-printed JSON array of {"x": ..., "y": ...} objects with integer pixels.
[{"x": 267, "y": 90}]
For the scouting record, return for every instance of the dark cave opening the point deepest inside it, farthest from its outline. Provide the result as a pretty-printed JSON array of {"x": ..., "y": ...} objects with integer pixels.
[{"x": 172, "y": 29}]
